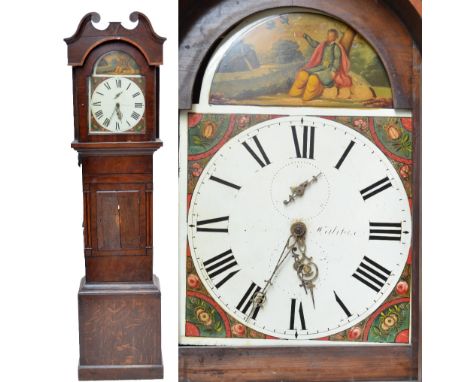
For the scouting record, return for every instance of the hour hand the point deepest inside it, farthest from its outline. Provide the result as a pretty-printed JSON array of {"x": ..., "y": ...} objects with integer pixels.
[{"x": 299, "y": 190}]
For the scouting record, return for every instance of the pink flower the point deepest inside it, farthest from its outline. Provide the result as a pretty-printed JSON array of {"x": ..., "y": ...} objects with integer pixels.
[
  {"x": 193, "y": 281},
  {"x": 354, "y": 333},
  {"x": 238, "y": 330},
  {"x": 197, "y": 169},
  {"x": 360, "y": 123}
]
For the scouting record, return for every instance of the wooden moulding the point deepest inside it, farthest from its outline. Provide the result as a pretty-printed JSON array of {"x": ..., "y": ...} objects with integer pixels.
[
  {"x": 87, "y": 37},
  {"x": 116, "y": 148},
  {"x": 296, "y": 364},
  {"x": 120, "y": 331}
]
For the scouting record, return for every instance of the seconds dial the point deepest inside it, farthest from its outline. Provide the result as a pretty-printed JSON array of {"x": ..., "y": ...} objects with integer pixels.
[
  {"x": 117, "y": 104},
  {"x": 299, "y": 227}
]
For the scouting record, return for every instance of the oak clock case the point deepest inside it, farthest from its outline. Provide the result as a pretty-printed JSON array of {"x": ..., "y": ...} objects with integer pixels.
[
  {"x": 116, "y": 85},
  {"x": 299, "y": 228}
]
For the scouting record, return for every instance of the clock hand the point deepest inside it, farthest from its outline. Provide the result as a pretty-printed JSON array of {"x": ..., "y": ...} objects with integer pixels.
[
  {"x": 119, "y": 113},
  {"x": 306, "y": 269},
  {"x": 118, "y": 94},
  {"x": 295, "y": 241},
  {"x": 259, "y": 298},
  {"x": 299, "y": 190}
]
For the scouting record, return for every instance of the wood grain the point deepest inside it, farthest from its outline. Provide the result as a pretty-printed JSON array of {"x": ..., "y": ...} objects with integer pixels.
[{"x": 120, "y": 330}]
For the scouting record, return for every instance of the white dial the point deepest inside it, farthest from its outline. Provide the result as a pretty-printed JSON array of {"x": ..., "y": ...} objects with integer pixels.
[
  {"x": 117, "y": 104},
  {"x": 335, "y": 182}
]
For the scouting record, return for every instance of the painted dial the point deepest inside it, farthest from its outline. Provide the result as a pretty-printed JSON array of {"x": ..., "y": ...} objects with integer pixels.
[
  {"x": 117, "y": 104},
  {"x": 355, "y": 211}
]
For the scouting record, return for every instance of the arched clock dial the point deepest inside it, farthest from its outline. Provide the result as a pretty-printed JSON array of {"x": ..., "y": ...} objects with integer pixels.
[
  {"x": 303, "y": 172},
  {"x": 117, "y": 104}
]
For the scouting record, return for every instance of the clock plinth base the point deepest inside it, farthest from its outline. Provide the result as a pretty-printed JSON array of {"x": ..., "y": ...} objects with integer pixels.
[{"x": 120, "y": 331}]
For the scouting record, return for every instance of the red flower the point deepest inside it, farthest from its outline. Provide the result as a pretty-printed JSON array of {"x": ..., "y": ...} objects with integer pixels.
[
  {"x": 406, "y": 122},
  {"x": 405, "y": 171},
  {"x": 354, "y": 333},
  {"x": 402, "y": 287},
  {"x": 193, "y": 119},
  {"x": 402, "y": 337},
  {"x": 191, "y": 330},
  {"x": 193, "y": 281},
  {"x": 238, "y": 330}
]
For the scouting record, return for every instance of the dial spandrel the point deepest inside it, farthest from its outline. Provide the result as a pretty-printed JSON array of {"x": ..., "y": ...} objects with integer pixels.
[{"x": 325, "y": 177}]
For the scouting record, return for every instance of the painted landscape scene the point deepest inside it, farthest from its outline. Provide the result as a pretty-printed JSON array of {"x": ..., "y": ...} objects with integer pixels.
[{"x": 301, "y": 59}]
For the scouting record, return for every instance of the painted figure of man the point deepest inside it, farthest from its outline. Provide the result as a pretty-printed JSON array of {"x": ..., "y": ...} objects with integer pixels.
[{"x": 328, "y": 66}]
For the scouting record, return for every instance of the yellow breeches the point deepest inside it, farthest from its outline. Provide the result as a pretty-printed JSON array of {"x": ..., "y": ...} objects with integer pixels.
[{"x": 307, "y": 86}]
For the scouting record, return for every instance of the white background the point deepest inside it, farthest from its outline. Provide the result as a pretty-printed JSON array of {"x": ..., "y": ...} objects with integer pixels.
[{"x": 41, "y": 255}]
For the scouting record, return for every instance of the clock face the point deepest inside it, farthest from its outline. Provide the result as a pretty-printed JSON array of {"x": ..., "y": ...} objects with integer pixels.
[
  {"x": 117, "y": 104},
  {"x": 299, "y": 227}
]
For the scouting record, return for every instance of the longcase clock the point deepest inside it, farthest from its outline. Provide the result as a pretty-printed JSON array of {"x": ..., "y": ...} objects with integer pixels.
[
  {"x": 299, "y": 191},
  {"x": 116, "y": 110}
]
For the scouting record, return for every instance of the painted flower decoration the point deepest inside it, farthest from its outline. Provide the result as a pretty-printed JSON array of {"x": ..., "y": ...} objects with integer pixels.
[
  {"x": 405, "y": 171},
  {"x": 406, "y": 122},
  {"x": 204, "y": 317},
  {"x": 209, "y": 129},
  {"x": 402, "y": 287},
  {"x": 393, "y": 131},
  {"x": 193, "y": 281},
  {"x": 238, "y": 330},
  {"x": 360, "y": 123},
  {"x": 243, "y": 121},
  {"x": 354, "y": 333},
  {"x": 194, "y": 119},
  {"x": 389, "y": 321},
  {"x": 197, "y": 169}
]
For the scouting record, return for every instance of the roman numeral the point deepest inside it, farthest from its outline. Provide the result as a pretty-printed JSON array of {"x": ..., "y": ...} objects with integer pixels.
[
  {"x": 225, "y": 182},
  {"x": 135, "y": 116},
  {"x": 97, "y": 103},
  {"x": 106, "y": 122},
  {"x": 261, "y": 162},
  {"x": 385, "y": 231},
  {"x": 375, "y": 188},
  {"x": 99, "y": 114},
  {"x": 292, "y": 317},
  {"x": 342, "y": 305},
  {"x": 219, "y": 264},
  {"x": 99, "y": 93},
  {"x": 117, "y": 126},
  {"x": 372, "y": 274},
  {"x": 212, "y": 221},
  {"x": 138, "y": 105},
  {"x": 130, "y": 84},
  {"x": 307, "y": 142},
  {"x": 246, "y": 300},
  {"x": 118, "y": 82},
  {"x": 128, "y": 123},
  {"x": 345, "y": 154},
  {"x": 107, "y": 85},
  {"x": 136, "y": 94}
]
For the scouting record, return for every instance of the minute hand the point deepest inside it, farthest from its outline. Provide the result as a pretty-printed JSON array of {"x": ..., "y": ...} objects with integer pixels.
[{"x": 259, "y": 298}]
